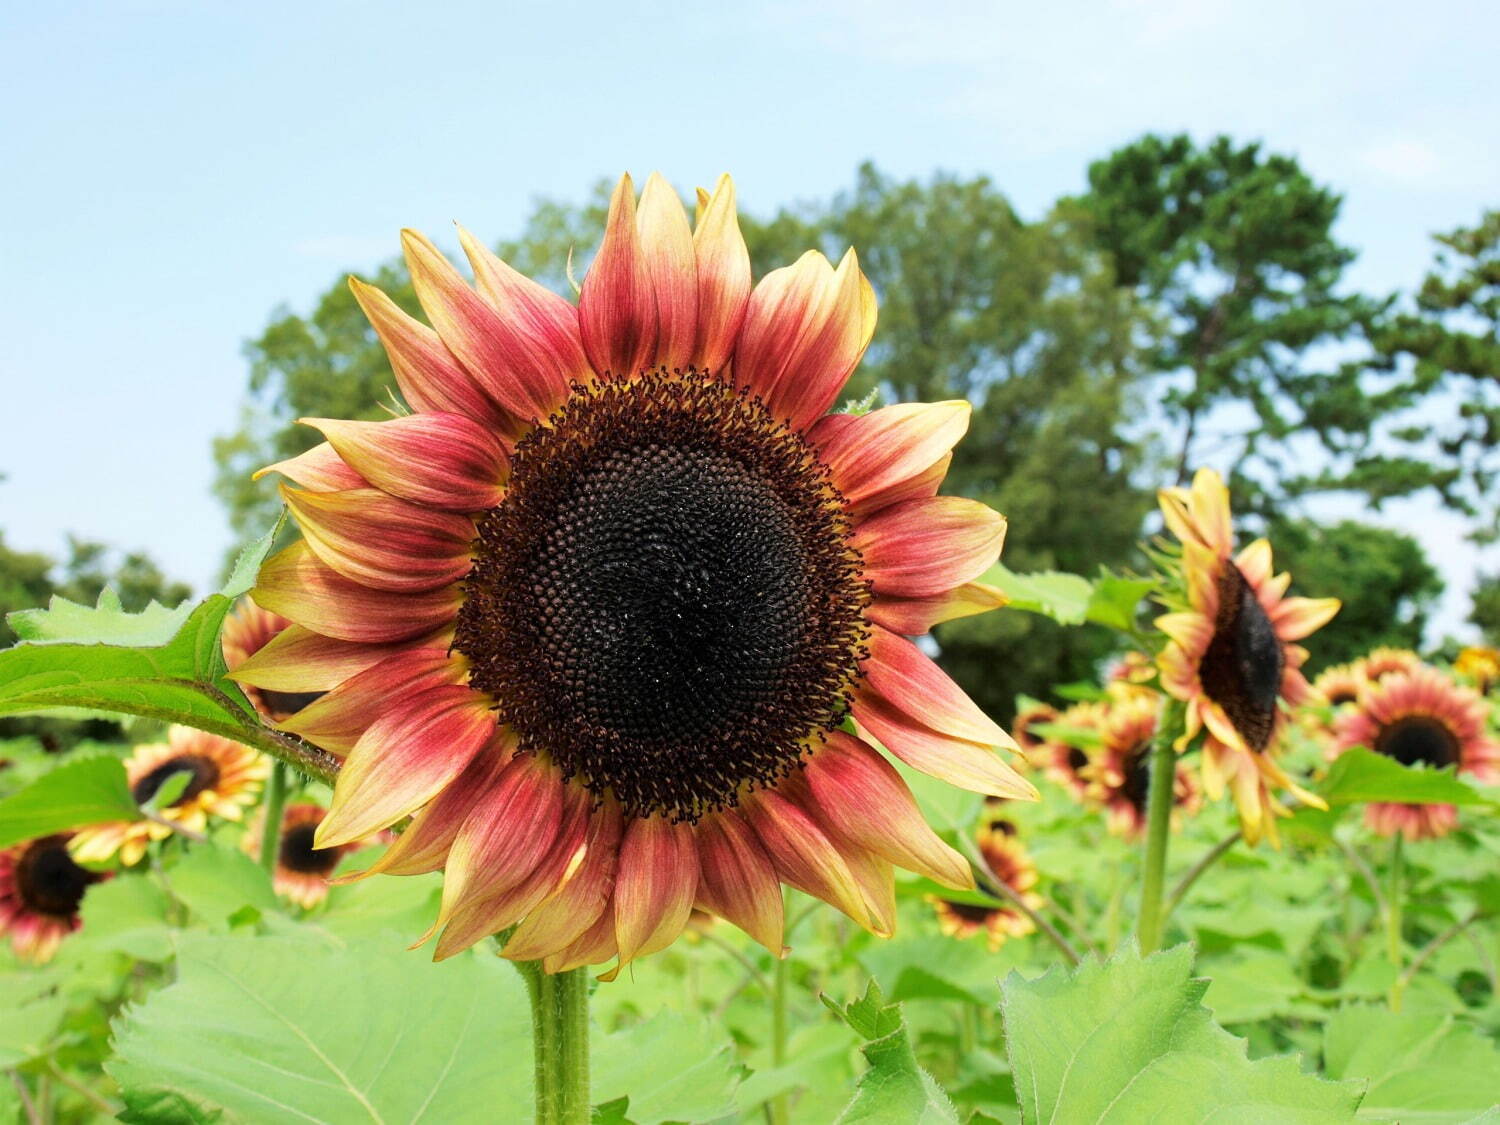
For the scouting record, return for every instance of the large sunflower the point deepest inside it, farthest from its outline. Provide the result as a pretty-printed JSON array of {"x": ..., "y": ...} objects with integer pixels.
[
  {"x": 41, "y": 888},
  {"x": 1231, "y": 655},
  {"x": 1118, "y": 774},
  {"x": 247, "y": 630},
  {"x": 302, "y": 869},
  {"x": 223, "y": 780},
  {"x": 1420, "y": 717},
  {"x": 596, "y": 611}
]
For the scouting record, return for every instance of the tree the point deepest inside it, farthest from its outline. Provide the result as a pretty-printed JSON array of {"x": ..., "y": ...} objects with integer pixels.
[
  {"x": 1384, "y": 579},
  {"x": 1447, "y": 350},
  {"x": 1232, "y": 248}
]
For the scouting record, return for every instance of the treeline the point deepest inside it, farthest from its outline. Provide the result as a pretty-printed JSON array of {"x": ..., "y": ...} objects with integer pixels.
[{"x": 1191, "y": 306}]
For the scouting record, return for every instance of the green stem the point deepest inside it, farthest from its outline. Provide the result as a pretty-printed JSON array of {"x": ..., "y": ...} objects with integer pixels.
[
  {"x": 270, "y": 831},
  {"x": 1185, "y": 884},
  {"x": 1158, "y": 827},
  {"x": 1393, "y": 919},
  {"x": 560, "y": 1043},
  {"x": 781, "y": 1112}
]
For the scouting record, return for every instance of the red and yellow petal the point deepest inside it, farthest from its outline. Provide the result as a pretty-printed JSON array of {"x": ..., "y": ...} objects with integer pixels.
[
  {"x": 723, "y": 269},
  {"x": 441, "y": 460},
  {"x": 617, "y": 302},
  {"x": 667, "y": 246},
  {"x": 924, "y": 548},
  {"x": 914, "y": 616},
  {"x": 737, "y": 880},
  {"x": 655, "y": 886},
  {"x": 868, "y": 455}
]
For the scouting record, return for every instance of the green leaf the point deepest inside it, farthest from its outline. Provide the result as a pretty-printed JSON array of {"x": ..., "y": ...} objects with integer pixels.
[
  {"x": 30, "y": 1010},
  {"x": 1117, "y": 1041},
  {"x": 217, "y": 882},
  {"x": 672, "y": 1068},
  {"x": 278, "y": 1028},
  {"x": 1360, "y": 775},
  {"x": 894, "y": 1088},
  {"x": 1115, "y": 599},
  {"x": 89, "y": 791},
  {"x": 1063, "y": 597},
  {"x": 128, "y": 914},
  {"x": 104, "y": 623},
  {"x": 1421, "y": 1066}
]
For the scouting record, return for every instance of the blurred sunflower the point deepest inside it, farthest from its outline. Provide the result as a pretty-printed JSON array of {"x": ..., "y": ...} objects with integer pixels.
[
  {"x": 1131, "y": 674},
  {"x": 1033, "y": 713},
  {"x": 1231, "y": 656},
  {"x": 302, "y": 869},
  {"x": 1479, "y": 666},
  {"x": 247, "y": 630},
  {"x": 599, "y": 607},
  {"x": 1382, "y": 662},
  {"x": 223, "y": 780},
  {"x": 41, "y": 888},
  {"x": 1119, "y": 772},
  {"x": 1420, "y": 717},
  {"x": 1012, "y": 865},
  {"x": 1339, "y": 684},
  {"x": 1066, "y": 762}
]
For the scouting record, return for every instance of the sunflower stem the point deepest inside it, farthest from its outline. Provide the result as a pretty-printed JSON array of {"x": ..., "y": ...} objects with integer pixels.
[
  {"x": 1393, "y": 919},
  {"x": 270, "y": 831},
  {"x": 781, "y": 1110},
  {"x": 1158, "y": 826},
  {"x": 560, "y": 1043}
]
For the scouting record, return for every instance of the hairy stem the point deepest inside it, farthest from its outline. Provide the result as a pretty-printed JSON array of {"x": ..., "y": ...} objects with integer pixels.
[
  {"x": 998, "y": 886},
  {"x": 270, "y": 832},
  {"x": 560, "y": 1043},
  {"x": 1152, "y": 918},
  {"x": 1211, "y": 857},
  {"x": 780, "y": 1107}
]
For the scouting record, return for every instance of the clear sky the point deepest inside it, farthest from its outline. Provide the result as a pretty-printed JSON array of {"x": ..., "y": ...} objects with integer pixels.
[{"x": 172, "y": 171}]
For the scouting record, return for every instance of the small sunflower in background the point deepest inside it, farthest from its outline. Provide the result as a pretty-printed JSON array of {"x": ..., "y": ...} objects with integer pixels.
[
  {"x": 1031, "y": 713},
  {"x": 247, "y": 630},
  {"x": 1067, "y": 763},
  {"x": 1010, "y": 862},
  {"x": 302, "y": 868},
  {"x": 224, "y": 779},
  {"x": 1119, "y": 772},
  {"x": 597, "y": 610},
  {"x": 1382, "y": 662},
  {"x": 1480, "y": 666},
  {"x": 1132, "y": 674},
  {"x": 1420, "y": 717},
  {"x": 1339, "y": 684},
  {"x": 1231, "y": 655},
  {"x": 41, "y": 888}
]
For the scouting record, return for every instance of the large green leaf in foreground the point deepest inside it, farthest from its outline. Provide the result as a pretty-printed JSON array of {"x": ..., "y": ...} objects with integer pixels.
[
  {"x": 297, "y": 1029},
  {"x": 1423, "y": 1067},
  {"x": 1128, "y": 1040}
]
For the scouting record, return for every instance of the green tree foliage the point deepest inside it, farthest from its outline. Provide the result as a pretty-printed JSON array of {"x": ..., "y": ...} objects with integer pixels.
[
  {"x": 1447, "y": 350},
  {"x": 1485, "y": 608},
  {"x": 1384, "y": 579},
  {"x": 1232, "y": 249}
]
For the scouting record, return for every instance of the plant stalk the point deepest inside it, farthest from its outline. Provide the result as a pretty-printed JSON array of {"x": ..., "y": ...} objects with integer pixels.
[
  {"x": 270, "y": 832},
  {"x": 780, "y": 1107},
  {"x": 1158, "y": 826},
  {"x": 560, "y": 1043},
  {"x": 1185, "y": 884},
  {"x": 1393, "y": 918}
]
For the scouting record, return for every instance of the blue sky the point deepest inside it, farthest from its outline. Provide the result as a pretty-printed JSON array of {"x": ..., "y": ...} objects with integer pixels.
[{"x": 175, "y": 170}]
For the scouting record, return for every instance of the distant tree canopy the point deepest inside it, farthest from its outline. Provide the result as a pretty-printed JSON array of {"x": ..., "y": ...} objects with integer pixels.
[{"x": 1164, "y": 318}]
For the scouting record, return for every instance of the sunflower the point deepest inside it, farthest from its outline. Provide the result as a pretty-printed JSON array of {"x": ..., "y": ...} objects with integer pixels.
[
  {"x": 1132, "y": 674},
  {"x": 1381, "y": 662},
  {"x": 1339, "y": 684},
  {"x": 1230, "y": 655},
  {"x": 223, "y": 780},
  {"x": 1012, "y": 865},
  {"x": 1479, "y": 666},
  {"x": 247, "y": 630},
  {"x": 40, "y": 891},
  {"x": 302, "y": 869},
  {"x": 1119, "y": 773},
  {"x": 1420, "y": 717},
  {"x": 1065, "y": 762},
  {"x": 597, "y": 610},
  {"x": 1032, "y": 714}
]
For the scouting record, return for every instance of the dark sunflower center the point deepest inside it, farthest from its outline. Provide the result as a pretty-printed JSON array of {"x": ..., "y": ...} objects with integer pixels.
[
  {"x": 204, "y": 775},
  {"x": 970, "y": 912},
  {"x": 1419, "y": 739},
  {"x": 1137, "y": 780},
  {"x": 666, "y": 601},
  {"x": 298, "y": 854},
  {"x": 1077, "y": 759},
  {"x": 1241, "y": 670},
  {"x": 48, "y": 881},
  {"x": 1341, "y": 696}
]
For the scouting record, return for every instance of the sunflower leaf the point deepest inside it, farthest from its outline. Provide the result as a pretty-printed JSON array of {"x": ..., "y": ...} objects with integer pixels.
[
  {"x": 1422, "y": 1067},
  {"x": 894, "y": 1087},
  {"x": 668, "y": 1068},
  {"x": 296, "y": 1028},
  {"x": 1117, "y": 1041},
  {"x": 1063, "y": 597},
  {"x": 88, "y": 791},
  {"x": 1360, "y": 775}
]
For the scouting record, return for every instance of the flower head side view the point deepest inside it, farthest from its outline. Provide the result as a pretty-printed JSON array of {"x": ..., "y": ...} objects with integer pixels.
[
  {"x": 41, "y": 888},
  {"x": 599, "y": 611},
  {"x": 1231, "y": 655}
]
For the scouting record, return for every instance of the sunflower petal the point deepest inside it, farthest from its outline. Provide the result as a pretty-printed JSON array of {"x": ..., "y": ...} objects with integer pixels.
[
  {"x": 723, "y": 276},
  {"x": 802, "y": 853},
  {"x": 581, "y": 900},
  {"x": 870, "y": 454},
  {"x": 295, "y": 583},
  {"x": 320, "y": 469},
  {"x": 737, "y": 881},
  {"x": 967, "y": 765},
  {"x": 617, "y": 304},
  {"x": 915, "y": 616},
  {"x": 404, "y": 759},
  {"x": 906, "y": 678},
  {"x": 921, "y": 548},
  {"x": 1296, "y": 618},
  {"x": 442, "y": 460},
  {"x": 655, "y": 885},
  {"x": 299, "y": 660},
  {"x": 376, "y": 540},
  {"x": 864, "y": 799},
  {"x": 667, "y": 245},
  {"x": 595, "y": 945},
  {"x": 335, "y": 721}
]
